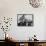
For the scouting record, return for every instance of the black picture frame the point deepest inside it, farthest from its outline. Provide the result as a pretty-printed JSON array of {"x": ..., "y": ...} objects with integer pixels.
[{"x": 25, "y": 19}]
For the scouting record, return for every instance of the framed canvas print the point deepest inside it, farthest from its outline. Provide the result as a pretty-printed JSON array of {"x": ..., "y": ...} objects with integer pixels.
[{"x": 25, "y": 19}]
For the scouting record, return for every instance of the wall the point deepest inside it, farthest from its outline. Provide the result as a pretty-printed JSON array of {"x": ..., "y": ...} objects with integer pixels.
[{"x": 10, "y": 8}]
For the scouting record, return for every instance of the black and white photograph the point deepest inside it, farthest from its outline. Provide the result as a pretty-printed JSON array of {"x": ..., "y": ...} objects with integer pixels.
[{"x": 25, "y": 19}]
